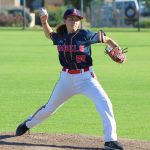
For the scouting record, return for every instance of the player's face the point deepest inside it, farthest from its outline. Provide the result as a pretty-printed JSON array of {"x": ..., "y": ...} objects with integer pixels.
[{"x": 72, "y": 23}]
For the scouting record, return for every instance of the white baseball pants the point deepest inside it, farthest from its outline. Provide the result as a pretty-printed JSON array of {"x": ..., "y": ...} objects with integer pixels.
[{"x": 83, "y": 83}]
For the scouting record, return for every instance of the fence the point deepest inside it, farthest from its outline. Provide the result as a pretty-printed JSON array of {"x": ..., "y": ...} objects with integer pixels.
[
  {"x": 114, "y": 14},
  {"x": 108, "y": 14}
]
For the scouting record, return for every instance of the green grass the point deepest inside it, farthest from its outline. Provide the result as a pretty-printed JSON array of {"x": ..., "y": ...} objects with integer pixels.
[{"x": 29, "y": 69}]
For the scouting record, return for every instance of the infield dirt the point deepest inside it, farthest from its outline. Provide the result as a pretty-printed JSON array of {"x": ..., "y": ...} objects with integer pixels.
[{"x": 42, "y": 141}]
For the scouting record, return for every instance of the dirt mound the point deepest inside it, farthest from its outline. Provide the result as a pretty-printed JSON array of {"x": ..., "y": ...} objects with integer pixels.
[{"x": 42, "y": 141}]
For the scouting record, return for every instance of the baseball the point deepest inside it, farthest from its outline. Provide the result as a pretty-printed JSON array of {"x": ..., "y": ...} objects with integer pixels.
[{"x": 43, "y": 12}]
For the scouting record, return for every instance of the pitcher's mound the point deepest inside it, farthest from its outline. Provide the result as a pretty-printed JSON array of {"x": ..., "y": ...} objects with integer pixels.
[{"x": 42, "y": 141}]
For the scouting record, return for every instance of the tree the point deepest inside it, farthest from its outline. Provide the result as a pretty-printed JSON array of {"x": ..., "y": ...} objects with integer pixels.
[
  {"x": 76, "y": 3},
  {"x": 34, "y": 4},
  {"x": 148, "y": 2}
]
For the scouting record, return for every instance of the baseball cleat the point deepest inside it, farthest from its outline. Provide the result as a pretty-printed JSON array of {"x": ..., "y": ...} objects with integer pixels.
[
  {"x": 113, "y": 145},
  {"x": 21, "y": 129}
]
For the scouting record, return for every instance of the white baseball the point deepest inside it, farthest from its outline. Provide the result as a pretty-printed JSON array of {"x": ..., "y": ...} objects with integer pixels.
[{"x": 43, "y": 12}]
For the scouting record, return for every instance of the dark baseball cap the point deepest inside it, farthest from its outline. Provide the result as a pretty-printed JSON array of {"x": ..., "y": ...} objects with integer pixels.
[{"x": 72, "y": 12}]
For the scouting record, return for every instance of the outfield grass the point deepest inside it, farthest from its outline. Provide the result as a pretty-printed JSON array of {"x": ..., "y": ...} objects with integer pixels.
[{"x": 29, "y": 69}]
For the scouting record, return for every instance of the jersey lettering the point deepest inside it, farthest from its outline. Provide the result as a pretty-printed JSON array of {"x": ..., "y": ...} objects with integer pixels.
[
  {"x": 81, "y": 48},
  {"x": 70, "y": 48},
  {"x": 80, "y": 58},
  {"x": 75, "y": 49}
]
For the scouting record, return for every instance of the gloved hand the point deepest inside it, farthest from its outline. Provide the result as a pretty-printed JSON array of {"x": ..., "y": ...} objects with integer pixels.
[{"x": 117, "y": 54}]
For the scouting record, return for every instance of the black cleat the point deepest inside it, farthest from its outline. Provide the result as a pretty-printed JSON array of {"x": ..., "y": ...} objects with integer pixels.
[
  {"x": 21, "y": 129},
  {"x": 113, "y": 145}
]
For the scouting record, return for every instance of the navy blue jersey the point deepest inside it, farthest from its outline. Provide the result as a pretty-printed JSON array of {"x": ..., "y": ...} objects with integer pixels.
[{"x": 75, "y": 48}]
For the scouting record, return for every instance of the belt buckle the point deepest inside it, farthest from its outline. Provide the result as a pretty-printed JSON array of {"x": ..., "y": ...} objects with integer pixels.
[
  {"x": 74, "y": 71},
  {"x": 77, "y": 71}
]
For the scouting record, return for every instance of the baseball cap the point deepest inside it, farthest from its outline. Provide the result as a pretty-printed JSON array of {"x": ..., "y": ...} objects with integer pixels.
[{"x": 72, "y": 12}]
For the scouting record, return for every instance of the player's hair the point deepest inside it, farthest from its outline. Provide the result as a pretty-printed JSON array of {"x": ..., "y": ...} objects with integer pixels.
[{"x": 61, "y": 29}]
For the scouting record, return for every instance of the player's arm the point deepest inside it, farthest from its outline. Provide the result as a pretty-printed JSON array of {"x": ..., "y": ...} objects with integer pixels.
[
  {"x": 44, "y": 21},
  {"x": 100, "y": 37}
]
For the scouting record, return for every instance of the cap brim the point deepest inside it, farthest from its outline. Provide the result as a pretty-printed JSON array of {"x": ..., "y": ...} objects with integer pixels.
[{"x": 80, "y": 17}]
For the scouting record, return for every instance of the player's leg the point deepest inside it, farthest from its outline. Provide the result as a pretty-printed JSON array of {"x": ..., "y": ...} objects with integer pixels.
[
  {"x": 103, "y": 105},
  {"x": 62, "y": 91},
  {"x": 58, "y": 97}
]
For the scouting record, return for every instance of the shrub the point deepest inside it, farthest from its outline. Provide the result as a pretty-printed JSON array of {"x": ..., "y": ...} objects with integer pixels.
[
  {"x": 55, "y": 17},
  {"x": 37, "y": 18},
  {"x": 143, "y": 24},
  {"x": 9, "y": 20},
  {"x": 18, "y": 13},
  {"x": 14, "y": 17}
]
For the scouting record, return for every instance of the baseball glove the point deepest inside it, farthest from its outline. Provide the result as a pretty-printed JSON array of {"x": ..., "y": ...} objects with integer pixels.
[{"x": 117, "y": 54}]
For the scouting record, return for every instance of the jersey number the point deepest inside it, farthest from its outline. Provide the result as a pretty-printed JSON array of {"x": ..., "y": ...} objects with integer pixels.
[{"x": 80, "y": 58}]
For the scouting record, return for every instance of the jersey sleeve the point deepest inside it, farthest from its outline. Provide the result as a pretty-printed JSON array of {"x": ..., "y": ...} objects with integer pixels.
[
  {"x": 55, "y": 38},
  {"x": 95, "y": 37}
]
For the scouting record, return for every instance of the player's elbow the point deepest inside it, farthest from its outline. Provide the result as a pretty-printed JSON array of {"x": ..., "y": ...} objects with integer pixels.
[{"x": 47, "y": 35}]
